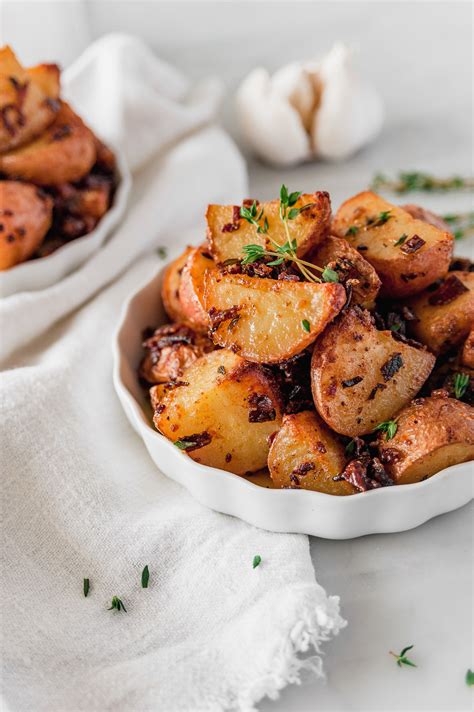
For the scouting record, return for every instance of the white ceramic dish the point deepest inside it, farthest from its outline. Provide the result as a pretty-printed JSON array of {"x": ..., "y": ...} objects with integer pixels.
[
  {"x": 32, "y": 275},
  {"x": 391, "y": 509}
]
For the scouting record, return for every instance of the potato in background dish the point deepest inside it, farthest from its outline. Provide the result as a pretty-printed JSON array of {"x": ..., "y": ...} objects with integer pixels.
[{"x": 25, "y": 218}]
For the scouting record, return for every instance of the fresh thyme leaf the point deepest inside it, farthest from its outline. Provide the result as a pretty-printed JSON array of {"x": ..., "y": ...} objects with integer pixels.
[
  {"x": 253, "y": 216},
  {"x": 458, "y": 234},
  {"x": 402, "y": 659},
  {"x": 401, "y": 240},
  {"x": 284, "y": 194},
  {"x": 353, "y": 230},
  {"x": 293, "y": 198},
  {"x": 145, "y": 577},
  {"x": 117, "y": 605},
  {"x": 460, "y": 384},
  {"x": 276, "y": 262},
  {"x": 184, "y": 444},
  {"x": 256, "y": 561},
  {"x": 389, "y": 427},
  {"x": 381, "y": 219},
  {"x": 408, "y": 182},
  {"x": 350, "y": 447},
  {"x": 162, "y": 252},
  {"x": 330, "y": 275},
  {"x": 306, "y": 325},
  {"x": 395, "y": 327},
  {"x": 469, "y": 678},
  {"x": 85, "y": 586},
  {"x": 252, "y": 253}
]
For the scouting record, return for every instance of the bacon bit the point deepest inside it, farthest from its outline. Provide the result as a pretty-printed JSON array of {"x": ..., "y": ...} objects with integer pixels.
[
  {"x": 168, "y": 336},
  {"x": 355, "y": 473},
  {"x": 320, "y": 447},
  {"x": 294, "y": 479},
  {"x": 377, "y": 473},
  {"x": 303, "y": 469},
  {"x": 219, "y": 316},
  {"x": 228, "y": 457},
  {"x": 390, "y": 455},
  {"x": 348, "y": 288},
  {"x": 390, "y": 368},
  {"x": 198, "y": 440},
  {"x": 261, "y": 408},
  {"x": 412, "y": 245},
  {"x": 448, "y": 291},
  {"x": 397, "y": 336},
  {"x": 362, "y": 248},
  {"x": 12, "y": 118},
  {"x": 159, "y": 408},
  {"x": 373, "y": 392},
  {"x": 352, "y": 381},
  {"x": 235, "y": 224}
]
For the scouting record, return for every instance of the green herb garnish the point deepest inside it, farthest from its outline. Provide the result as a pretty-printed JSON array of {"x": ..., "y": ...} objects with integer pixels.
[
  {"x": 408, "y": 182},
  {"x": 330, "y": 275},
  {"x": 381, "y": 219},
  {"x": 117, "y": 605},
  {"x": 162, "y": 252},
  {"x": 253, "y": 215},
  {"x": 145, "y": 577},
  {"x": 400, "y": 240},
  {"x": 184, "y": 444},
  {"x": 402, "y": 659},
  {"x": 460, "y": 384},
  {"x": 85, "y": 586},
  {"x": 469, "y": 678},
  {"x": 256, "y": 561},
  {"x": 306, "y": 325},
  {"x": 353, "y": 230},
  {"x": 389, "y": 427},
  {"x": 462, "y": 224}
]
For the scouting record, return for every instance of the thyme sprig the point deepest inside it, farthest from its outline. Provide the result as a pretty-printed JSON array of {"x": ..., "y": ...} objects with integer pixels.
[
  {"x": 462, "y": 224},
  {"x": 117, "y": 605},
  {"x": 417, "y": 181},
  {"x": 469, "y": 678},
  {"x": 253, "y": 215},
  {"x": 389, "y": 427},
  {"x": 402, "y": 658},
  {"x": 460, "y": 384}
]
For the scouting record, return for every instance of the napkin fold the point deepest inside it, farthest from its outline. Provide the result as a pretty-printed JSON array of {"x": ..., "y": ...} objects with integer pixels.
[{"x": 81, "y": 497}]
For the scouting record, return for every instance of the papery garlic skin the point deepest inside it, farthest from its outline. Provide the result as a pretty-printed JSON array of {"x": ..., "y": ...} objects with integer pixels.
[
  {"x": 269, "y": 122},
  {"x": 350, "y": 112}
]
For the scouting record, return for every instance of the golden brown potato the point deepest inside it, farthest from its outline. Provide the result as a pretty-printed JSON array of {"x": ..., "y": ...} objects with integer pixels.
[
  {"x": 445, "y": 313},
  {"x": 170, "y": 288},
  {"x": 225, "y": 414},
  {"x": 360, "y": 376},
  {"x": 64, "y": 153},
  {"x": 305, "y": 454},
  {"x": 433, "y": 433},
  {"x": 28, "y": 100},
  {"x": 170, "y": 350},
  {"x": 228, "y": 233},
  {"x": 191, "y": 287},
  {"x": 407, "y": 254},
  {"x": 467, "y": 354},
  {"x": 353, "y": 269},
  {"x": 268, "y": 320},
  {"x": 25, "y": 218}
]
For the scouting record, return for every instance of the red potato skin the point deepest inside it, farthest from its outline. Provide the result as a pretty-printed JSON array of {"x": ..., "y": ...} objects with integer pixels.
[{"x": 191, "y": 288}]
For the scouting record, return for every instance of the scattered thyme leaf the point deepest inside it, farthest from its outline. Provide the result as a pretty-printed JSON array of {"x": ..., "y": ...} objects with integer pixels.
[
  {"x": 400, "y": 240},
  {"x": 389, "y": 427},
  {"x": 408, "y": 182},
  {"x": 353, "y": 230},
  {"x": 162, "y": 252},
  {"x": 184, "y": 444},
  {"x": 306, "y": 325},
  {"x": 330, "y": 275},
  {"x": 381, "y": 219},
  {"x": 117, "y": 605},
  {"x": 402, "y": 659},
  {"x": 256, "y": 561},
  {"x": 145, "y": 577},
  {"x": 460, "y": 384},
  {"x": 469, "y": 678},
  {"x": 85, "y": 586}
]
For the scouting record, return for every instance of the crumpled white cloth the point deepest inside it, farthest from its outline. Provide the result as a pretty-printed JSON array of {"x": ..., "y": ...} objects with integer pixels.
[{"x": 80, "y": 495}]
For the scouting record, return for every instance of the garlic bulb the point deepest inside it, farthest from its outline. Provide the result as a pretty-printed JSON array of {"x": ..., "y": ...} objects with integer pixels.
[{"x": 309, "y": 110}]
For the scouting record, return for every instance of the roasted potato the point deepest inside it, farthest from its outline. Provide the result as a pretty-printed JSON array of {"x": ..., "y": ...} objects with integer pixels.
[
  {"x": 445, "y": 312},
  {"x": 228, "y": 233},
  {"x": 223, "y": 414},
  {"x": 266, "y": 320},
  {"x": 25, "y": 218},
  {"x": 64, "y": 153},
  {"x": 170, "y": 288},
  {"x": 408, "y": 254},
  {"x": 352, "y": 268},
  {"x": 433, "y": 433},
  {"x": 467, "y": 353},
  {"x": 191, "y": 287},
  {"x": 170, "y": 350},
  {"x": 28, "y": 100},
  {"x": 305, "y": 454},
  {"x": 360, "y": 376},
  {"x": 416, "y": 211}
]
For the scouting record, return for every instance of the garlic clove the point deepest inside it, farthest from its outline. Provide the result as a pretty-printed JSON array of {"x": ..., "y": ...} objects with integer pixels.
[
  {"x": 270, "y": 122},
  {"x": 295, "y": 84},
  {"x": 350, "y": 112}
]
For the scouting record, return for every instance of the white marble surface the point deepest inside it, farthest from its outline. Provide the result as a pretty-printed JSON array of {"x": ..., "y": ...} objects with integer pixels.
[{"x": 415, "y": 587}]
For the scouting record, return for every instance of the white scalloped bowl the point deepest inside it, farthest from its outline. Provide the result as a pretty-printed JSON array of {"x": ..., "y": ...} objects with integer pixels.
[
  {"x": 33, "y": 275},
  {"x": 390, "y": 509}
]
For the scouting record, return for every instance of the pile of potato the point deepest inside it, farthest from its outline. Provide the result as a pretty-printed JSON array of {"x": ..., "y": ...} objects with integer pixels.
[
  {"x": 338, "y": 386},
  {"x": 56, "y": 178}
]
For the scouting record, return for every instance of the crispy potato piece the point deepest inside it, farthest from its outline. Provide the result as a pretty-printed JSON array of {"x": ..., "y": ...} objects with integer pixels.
[
  {"x": 265, "y": 319},
  {"x": 64, "y": 153},
  {"x": 191, "y": 287},
  {"x": 305, "y": 454},
  {"x": 25, "y": 218},
  {"x": 170, "y": 350},
  {"x": 228, "y": 411},
  {"x": 405, "y": 267},
  {"x": 227, "y": 233},
  {"x": 170, "y": 288},
  {"x": 351, "y": 265},
  {"x": 467, "y": 353},
  {"x": 433, "y": 433},
  {"x": 360, "y": 376},
  {"x": 28, "y": 100},
  {"x": 445, "y": 314}
]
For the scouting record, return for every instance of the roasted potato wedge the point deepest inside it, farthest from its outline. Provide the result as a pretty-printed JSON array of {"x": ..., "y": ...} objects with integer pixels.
[
  {"x": 25, "y": 218},
  {"x": 223, "y": 414},
  {"x": 28, "y": 100},
  {"x": 353, "y": 269},
  {"x": 467, "y": 354},
  {"x": 170, "y": 288},
  {"x": 266, "y": 320},
  {"x": 228, "y": 233},
  {"x": 408, "y": 254},
  {"x": 64, "y": 153},
  {"x": 445, "y": 312},
  {"x": 360, "y": 376},
  {"x": 191, "y": 287},
  {"x": 305, "y": 454},
  {"x": 433, "y": 433}
]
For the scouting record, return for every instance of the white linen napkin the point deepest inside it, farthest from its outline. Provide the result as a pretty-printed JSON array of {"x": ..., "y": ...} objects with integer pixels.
[{"x": 82, "y": 499}]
